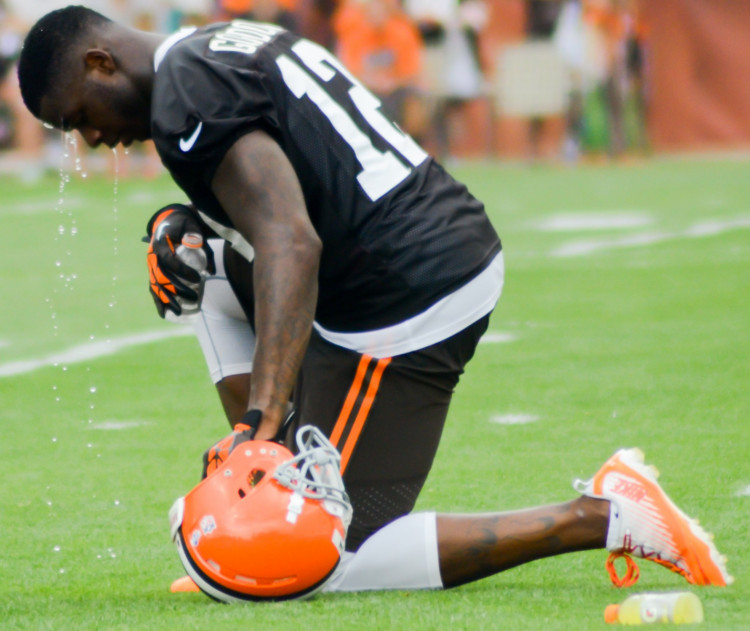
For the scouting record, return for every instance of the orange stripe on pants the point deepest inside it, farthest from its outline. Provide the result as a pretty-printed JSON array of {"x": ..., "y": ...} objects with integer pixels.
[
  {"x": 351, "y": 398},
  {"x": 364, "y": 411}
]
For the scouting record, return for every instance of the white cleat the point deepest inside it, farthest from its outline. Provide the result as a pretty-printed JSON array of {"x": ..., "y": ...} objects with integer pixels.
[{"x": 645, "y": 523}]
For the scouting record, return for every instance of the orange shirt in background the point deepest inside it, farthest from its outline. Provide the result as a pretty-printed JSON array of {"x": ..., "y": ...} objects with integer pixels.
[
  {"x": 238, "y": 7},
  {"x": 383, "y": 50}
]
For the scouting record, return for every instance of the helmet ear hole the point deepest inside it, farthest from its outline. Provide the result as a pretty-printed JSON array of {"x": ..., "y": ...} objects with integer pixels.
[{"x": 255, "y": 476}]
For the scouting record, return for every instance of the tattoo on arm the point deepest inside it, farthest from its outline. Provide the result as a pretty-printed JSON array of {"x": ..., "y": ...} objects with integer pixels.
[{"x": 262, "y": 196}]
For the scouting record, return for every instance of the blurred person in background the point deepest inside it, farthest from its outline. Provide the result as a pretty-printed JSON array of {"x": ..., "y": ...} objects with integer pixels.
[
  {"x": 281, "y": 12},
  {"x": 315, "y": 20},
  {"x": 185, "y": 12},
  {"x": 620, "y": 30},
  {"x": 546, "y": 132},
  {"x": 20, "y": 132},
  {"x": 453, "y": 73},
  {"x": 569, "y": 39},
  {"x": 275, "y": 12},
  {"x": 231, "y": 9},
  {"x": 378, "y": 42}
]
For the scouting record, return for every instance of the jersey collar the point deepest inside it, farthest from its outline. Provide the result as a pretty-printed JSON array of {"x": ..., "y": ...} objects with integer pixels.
[{"x": 169, "y": 42}]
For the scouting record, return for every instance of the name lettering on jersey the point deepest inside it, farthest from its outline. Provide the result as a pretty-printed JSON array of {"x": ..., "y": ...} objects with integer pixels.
[{"x": 242, "y": 36}]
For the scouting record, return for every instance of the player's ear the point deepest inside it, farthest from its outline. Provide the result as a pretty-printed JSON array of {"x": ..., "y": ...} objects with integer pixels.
[{"x": 101, "y": 60}]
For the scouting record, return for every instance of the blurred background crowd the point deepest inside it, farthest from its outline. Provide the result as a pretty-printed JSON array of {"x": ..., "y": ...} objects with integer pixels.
[{"x": 565, "y": 80}]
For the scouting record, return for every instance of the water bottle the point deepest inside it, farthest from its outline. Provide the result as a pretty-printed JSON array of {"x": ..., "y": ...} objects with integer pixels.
[
  {"x": 651, "y": 608},
  {"x": 191, "y": 252}
]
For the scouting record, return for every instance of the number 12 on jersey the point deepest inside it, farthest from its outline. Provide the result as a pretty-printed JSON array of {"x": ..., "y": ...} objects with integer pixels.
[{"x": 381, "y": 170}]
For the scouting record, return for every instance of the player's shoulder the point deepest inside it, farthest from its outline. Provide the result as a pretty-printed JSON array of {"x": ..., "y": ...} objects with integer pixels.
[
  {"x": 179, "y": 54},
  {"x": 228, "y": 42},
  {"x": 210, "y": 86}
]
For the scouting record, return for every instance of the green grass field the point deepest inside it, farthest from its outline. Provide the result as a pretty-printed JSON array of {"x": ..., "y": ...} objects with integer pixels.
[{"x": 625, "y": 321}]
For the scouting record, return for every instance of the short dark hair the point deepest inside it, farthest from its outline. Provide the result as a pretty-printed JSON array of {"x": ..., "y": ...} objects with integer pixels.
[{"x": 46, "y": 47}]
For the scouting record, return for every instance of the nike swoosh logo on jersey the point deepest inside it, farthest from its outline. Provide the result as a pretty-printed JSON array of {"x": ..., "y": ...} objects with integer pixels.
[{"x": 186, "y": 144}]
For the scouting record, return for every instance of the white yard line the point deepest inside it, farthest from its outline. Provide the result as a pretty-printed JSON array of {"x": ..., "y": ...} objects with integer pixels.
[
  {"x": 94, "y": 350},
  {"x": 117, "y": 425},
  {"x": 48, "y": 205},
  {"x": 602, "y": 220},
  {"x": 708, "y": 228},
  {"x": 54, "y": 204},
  {"x": 496, "y": 337},
  {"x": 514, "y": 419}
]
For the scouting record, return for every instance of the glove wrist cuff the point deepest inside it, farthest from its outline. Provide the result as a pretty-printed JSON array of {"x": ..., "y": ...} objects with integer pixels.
[{"x": 252, "y": 418}]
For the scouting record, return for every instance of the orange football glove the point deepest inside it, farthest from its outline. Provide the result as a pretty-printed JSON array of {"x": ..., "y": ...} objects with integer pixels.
[
  {"x": 215, "y": 455},
  {"x": 171, "y": 279}
]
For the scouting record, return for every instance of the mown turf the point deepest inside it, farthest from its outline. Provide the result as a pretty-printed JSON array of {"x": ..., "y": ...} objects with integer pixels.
[{"x": 642, "y": 345}]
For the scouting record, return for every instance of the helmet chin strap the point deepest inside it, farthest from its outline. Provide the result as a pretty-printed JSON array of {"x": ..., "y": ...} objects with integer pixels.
[{"x": 314, "y": 472}]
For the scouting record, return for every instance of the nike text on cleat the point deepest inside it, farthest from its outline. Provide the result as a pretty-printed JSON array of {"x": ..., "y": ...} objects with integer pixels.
[
  {"x": 645, "y": 523},
  {"x": 186, "y": 144}
]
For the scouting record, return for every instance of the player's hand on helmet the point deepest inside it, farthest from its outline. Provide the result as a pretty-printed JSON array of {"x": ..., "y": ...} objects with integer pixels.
[
  {"x": 172, "y": 281},
  {"x": 217, "y": 454}
]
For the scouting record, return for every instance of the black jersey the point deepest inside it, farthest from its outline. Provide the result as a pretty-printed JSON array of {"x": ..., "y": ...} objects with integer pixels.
[{"x": 398, "y": 232}]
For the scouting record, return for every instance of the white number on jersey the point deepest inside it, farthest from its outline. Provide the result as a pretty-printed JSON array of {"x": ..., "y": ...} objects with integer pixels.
[{"x": 381, "y": 170}]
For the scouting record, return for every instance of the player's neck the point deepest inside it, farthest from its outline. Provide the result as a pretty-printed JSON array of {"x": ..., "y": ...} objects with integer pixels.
[{"x": 136, "y": 51}]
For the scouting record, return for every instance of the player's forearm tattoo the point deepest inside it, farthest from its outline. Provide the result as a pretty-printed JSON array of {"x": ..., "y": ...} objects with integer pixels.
[{"x": 285, "y": 278}]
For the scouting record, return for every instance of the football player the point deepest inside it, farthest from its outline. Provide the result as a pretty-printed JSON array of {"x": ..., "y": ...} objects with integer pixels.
[
  {"x": 423, "y": 550},
  {"x": 373, "y": 277}
]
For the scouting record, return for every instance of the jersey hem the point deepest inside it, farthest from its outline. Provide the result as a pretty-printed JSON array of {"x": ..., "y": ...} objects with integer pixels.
[{"x": 445, "y": 318}]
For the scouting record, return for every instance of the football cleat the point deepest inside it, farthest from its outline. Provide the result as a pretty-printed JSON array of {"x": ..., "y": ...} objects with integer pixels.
[
  {"x": 645, "y": 523},
  {"x": 183, "y": 584}
]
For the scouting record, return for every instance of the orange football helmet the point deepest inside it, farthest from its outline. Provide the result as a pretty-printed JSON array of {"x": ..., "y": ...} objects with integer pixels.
[{"x": 266, "y": 524}]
